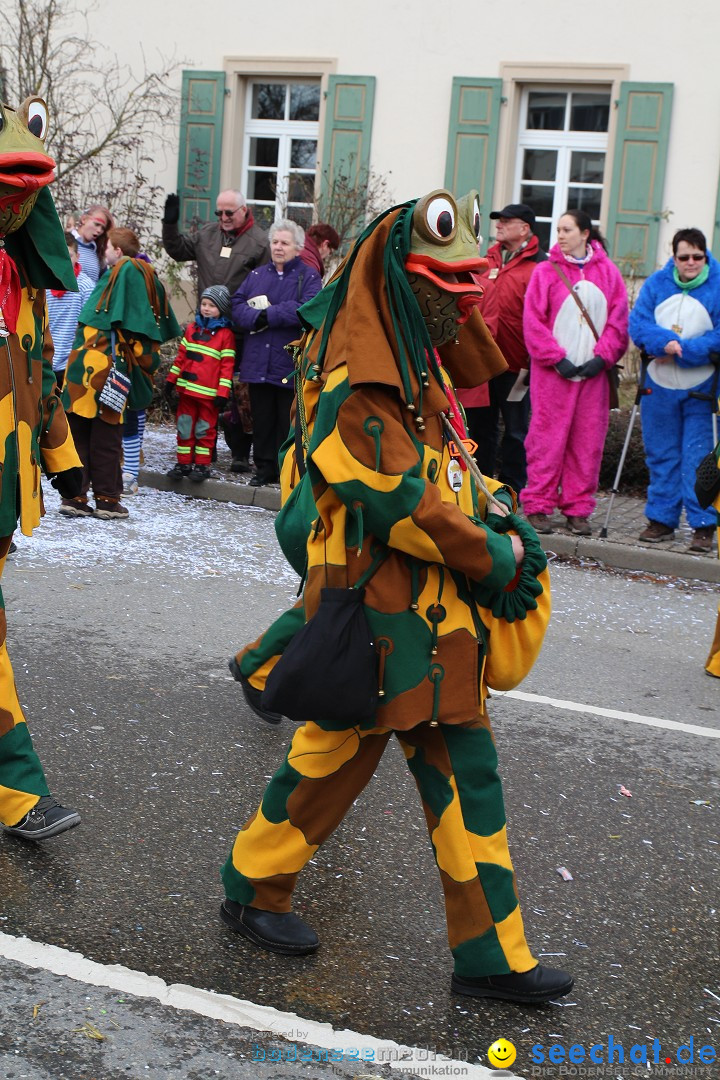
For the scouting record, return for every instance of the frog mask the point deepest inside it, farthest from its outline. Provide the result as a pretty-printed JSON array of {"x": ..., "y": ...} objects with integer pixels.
[
  {"x": 25, "y": 168},
  {"x": 443, "y": 256}
]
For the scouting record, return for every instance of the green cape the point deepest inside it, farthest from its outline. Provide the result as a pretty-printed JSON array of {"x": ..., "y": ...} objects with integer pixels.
[
  {"x": 129, "y": 307},
  {"x": 39, "y": 249}
]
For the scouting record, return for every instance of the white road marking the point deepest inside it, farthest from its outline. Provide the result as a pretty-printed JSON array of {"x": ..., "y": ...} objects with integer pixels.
[
  {"x": 611, "y": 714},
  {"x": 232, "y": 1010}
]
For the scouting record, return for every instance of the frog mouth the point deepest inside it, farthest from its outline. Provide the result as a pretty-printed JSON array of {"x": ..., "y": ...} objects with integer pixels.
[
  {"x": 455, "y": 277},
  {"x": 26, "y": 172}
]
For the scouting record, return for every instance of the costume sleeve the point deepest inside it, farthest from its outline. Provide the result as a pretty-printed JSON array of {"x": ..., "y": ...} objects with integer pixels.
[
  {"x": 57, "y": 448},
  {"x": 490, "y": 308},
  {"x": 179, "y": 362},
  {"x": 244, "y": 316},
  {"x": 227, "y": 363},
  {"x": 372, "y": 463},
  {"x": 613, "y": 340},
  {"x": 542, "y": 347},
  {"x": 178, "y": 246},
  {"x": 644, "y": 331},
  {"x": 286, "y": 312}
]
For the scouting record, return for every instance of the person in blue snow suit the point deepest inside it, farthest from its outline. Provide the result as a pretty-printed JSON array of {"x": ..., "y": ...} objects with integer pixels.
[{"x": 676, "y": 319}]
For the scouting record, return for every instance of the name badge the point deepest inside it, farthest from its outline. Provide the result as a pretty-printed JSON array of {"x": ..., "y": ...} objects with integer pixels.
[
  {"x": 455, "y": 475},
  {"x": 225, "y": 252},
  {"x": 493, "y": 273}
]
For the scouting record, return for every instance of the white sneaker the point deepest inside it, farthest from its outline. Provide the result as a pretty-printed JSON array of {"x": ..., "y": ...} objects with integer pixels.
[{"x": 130, "y": 484}]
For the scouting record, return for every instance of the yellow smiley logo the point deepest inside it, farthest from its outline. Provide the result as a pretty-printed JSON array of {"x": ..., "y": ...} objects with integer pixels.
[{"x": 501, "y": 1054}]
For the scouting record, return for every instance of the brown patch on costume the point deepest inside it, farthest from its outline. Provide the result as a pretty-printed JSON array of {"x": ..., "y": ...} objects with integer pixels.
[
  {"x": 317, "y": 806},
  {"x": 398, "y": 454},
  {"x": 466, "y": 908},
  {"x": 7, "y": 722},
  {"x": 274, "y": 893}
]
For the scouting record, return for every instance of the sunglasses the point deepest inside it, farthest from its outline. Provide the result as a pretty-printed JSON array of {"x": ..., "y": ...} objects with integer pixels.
[
  {"x": 687, "y": 258},
  {"x": 227, "y": 213}
]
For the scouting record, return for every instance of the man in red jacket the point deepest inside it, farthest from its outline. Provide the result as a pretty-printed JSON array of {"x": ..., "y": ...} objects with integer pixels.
[{"x": 512, "y": 260}]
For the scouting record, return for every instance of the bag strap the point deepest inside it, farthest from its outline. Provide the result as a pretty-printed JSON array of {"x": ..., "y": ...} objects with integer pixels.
[{"x": 586, "y": 314}]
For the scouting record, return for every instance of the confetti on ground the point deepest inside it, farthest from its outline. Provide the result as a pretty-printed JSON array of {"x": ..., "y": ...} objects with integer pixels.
[
  {"x": 564, "y": 873},
  {"x": 622, "y": 790},
  {"x": 91, "y": 1031}
]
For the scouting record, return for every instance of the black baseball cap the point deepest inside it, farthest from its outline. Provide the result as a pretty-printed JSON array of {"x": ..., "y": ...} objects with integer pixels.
[{"x": 516, "y": 210}]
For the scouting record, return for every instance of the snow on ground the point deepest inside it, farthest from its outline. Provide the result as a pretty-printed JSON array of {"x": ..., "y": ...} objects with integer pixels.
[{"x": 175, "y": 533}]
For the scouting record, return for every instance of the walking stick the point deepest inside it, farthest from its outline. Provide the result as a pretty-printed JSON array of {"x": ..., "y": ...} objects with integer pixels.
[{"x": 641, "y": 393}]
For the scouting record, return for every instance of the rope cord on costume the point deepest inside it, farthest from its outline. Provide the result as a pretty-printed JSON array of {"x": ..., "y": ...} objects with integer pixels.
[
  {"x": 471, "y": 464},
  {"x": 159, "y": 307}
]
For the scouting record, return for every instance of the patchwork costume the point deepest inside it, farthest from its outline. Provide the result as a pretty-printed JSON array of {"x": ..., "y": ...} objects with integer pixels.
[
  {"x": 203, "y": 373},
  {"x": 676, "y": 425},
  {"x": 34, "y": 433},
  {"x": 570, "y": 417},
  {"x": 122, "y": 325},
  {"x": 387, "y": 501}
]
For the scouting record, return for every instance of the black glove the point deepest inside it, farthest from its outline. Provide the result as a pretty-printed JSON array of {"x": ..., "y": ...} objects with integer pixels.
[
  {"x": 591, "y": 368},
  {"x": 168, "y": 391},
  {"x": 69, "y": 482},
  {"x": 261, "y": 321},
  {"x": 172, "y": 210},
  {"x": 566, "y": 369},
  {"x": 221, "y": 404}
]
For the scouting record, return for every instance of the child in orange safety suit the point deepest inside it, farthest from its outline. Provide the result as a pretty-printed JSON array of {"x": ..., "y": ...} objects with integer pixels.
[{"x": 202, "y": 373}]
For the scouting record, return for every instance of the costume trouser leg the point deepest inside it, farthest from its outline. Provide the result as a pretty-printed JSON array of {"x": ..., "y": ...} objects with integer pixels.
[
  {"x": 133, "y": 430},
  {"x": 554, "y": 401},
  {"x": 22, "y": 781},
  {"x": 584, "y": 449},
  {"x": 99, "y": 445},
  {"x": 258, "y": 659},
  {"x": 456, "y": 773}
]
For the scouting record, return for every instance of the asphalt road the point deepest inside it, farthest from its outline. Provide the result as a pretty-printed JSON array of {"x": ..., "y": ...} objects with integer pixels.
[{"x": 119, "y": 635}]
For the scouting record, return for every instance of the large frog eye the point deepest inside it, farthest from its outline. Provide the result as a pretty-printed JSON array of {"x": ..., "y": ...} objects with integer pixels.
[
  {"x": 476, "y": 218},
  {"x": 440, "y": 218},
  {"x": 35, "y": 114}
]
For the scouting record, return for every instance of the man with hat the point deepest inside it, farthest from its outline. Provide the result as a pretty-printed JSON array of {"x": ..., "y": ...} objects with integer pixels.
[{"x": 512, "y": 260}]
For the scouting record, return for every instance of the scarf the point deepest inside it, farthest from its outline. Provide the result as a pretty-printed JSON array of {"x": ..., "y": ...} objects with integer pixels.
[
  {"x": 9, "y": 291},
  {"x": 686, "y": 286},
  {"x": 582, "y": 261},
  {"x": 206, "y": 323},
  {"x": 249, "y": 222}
]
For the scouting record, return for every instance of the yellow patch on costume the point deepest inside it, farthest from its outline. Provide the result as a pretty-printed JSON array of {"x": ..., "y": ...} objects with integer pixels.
[
  {"x": 265, "y": 845},
  {"x": 29, "y": 480},
  {"x": 511, "y": 935},
  {"x": 14, "y": 805},
  {"x": 7, "y": 421},
  {"x": 315, "y": 756},
  {"x": 409, "y": 537},
  {"x": 339, "y": 466},
  {"x": 26, "y": 319},
  {"x": 94, "y": 361},
  {"x": 452, "y": 852},
  {"x": 491, "y": 849}
]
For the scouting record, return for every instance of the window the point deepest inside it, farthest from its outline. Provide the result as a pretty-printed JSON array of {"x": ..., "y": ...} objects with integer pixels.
[
  {"x": 280, "y": 149},
  {"x": 562, "y": 148}
]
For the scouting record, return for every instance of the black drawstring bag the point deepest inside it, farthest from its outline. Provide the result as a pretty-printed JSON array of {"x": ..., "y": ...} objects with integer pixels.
[
  {"x": 707, "y": 480},
  {"x": 328, "y": 672}
]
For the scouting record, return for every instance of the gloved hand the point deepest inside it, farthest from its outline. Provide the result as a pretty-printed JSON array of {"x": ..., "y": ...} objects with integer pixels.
[
  {"x": 566, "y": 369},
  {"x": 221, "y": 404},
  {"x": 591, "y": 368},
  {"x": 261, "y": 321},
  {"x": 69, "y": 482},
  {"x": 170, "y": 394},
  {"x": 172, "y": 210}
]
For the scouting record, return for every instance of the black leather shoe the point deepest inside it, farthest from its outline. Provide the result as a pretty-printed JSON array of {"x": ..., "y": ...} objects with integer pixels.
[
  {"x": 280, "y": 932},
  {"x": 257, "y": 481},
  {"x": 528, "y": 988},
  {"x": 252, "y": 696}
]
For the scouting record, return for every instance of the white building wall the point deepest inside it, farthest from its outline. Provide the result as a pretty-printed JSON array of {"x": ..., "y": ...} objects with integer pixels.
[{"x": 414, "y": 49}]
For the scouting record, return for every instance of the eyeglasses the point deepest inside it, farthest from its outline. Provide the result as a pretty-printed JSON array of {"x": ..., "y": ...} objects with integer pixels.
[
  {"x": 227, "y": 213},
  {"x": 687, "y": 258}
]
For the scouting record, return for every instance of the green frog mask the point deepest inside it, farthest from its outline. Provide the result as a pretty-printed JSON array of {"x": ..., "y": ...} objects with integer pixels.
[{"x": 25, "y": 168}]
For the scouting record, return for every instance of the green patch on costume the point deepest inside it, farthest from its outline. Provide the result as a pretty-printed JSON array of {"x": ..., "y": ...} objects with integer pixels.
[
  {"x": 327, "y": 413},
  {"x": 8, "y": 491},
  {"x": 274, "y": 641},
  {"x": 406, "y": 665},
  {"x": 475, "y": 769},
  {"x": 20, "y": 766},
  {"x": 293, "y": 524},
  {"x": 433, "y": 785},
  {"x": 236, "y": 885},
  {"x": 201, "y": 428},
  {"x": 480, "y": 956},
  {"x": 499, "y": 888},
  {"x": 184, "y": 425},
  {"x": 277, "y": 793}
]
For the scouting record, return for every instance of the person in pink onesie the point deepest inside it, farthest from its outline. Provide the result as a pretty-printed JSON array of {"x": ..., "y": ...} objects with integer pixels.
[{"x": 571, "y": 351}]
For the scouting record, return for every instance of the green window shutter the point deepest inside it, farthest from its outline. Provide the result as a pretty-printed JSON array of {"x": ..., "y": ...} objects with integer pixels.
[
  {"x": 636, "y": 194},
  {"x": 472, "y": 139},
  {"x": 347, "y": 135},
  {"x": 716, "y": 230},
  {"x": 201, "y": 124}
]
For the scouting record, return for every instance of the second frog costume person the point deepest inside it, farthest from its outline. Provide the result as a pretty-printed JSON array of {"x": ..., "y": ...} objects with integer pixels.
[{"x": 382, "y": 481}]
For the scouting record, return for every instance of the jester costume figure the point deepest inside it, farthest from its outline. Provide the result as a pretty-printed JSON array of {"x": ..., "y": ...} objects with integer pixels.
[
  {"x": 34, "y": 433},
  {"x": 389, "y": 500}
]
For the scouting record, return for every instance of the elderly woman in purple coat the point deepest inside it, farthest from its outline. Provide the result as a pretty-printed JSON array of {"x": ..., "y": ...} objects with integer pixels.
[{"x": 265, "y": 308}]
